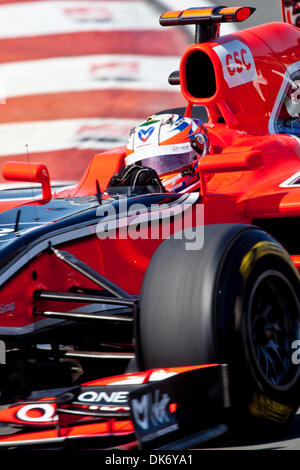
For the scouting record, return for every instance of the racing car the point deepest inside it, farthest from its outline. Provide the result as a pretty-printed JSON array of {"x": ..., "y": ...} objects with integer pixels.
[{"x": 189, "y": 324}]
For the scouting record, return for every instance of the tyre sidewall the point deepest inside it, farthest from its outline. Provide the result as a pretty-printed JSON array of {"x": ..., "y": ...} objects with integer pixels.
[{"x": 254, "y": 253}]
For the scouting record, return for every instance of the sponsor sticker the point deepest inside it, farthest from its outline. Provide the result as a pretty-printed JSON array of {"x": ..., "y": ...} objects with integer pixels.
[
  {"x": 237, "y": 63},
  {"x": 144, "y": 134},
  {"x": 37, "y": 413},
  {"x": 5, "y": 308},
  {"x": 153, "y": 416},
  {"x": 104, "y": 398}
]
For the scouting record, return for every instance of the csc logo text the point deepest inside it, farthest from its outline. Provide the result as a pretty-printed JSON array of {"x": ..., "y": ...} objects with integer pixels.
[{"x": 237, "y": 63}]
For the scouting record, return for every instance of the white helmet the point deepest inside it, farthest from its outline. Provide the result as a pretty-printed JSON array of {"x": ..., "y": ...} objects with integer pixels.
[{"x": 168, "y": 143}]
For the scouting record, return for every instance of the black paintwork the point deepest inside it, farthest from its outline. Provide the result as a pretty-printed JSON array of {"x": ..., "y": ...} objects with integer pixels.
[{"x": 40, "y": 222}]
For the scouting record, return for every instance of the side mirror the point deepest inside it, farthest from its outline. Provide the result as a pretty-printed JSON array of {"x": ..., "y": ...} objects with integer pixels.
[
  {"x": 31, "y": 173},
  {"x": 228, "y": 162}
]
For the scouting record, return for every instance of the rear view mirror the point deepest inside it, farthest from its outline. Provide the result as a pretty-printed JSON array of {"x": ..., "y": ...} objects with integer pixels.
[{"x": 31, "y": 173}]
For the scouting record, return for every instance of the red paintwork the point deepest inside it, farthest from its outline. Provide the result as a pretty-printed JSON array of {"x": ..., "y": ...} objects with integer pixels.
[
  {"x": 144, "y": 377},
  {"x": 247, "y": 107},
  {"x": 29, "y": 172},
  {"x": 240, "y": 178},
  {"x": 104, "y": 165}
]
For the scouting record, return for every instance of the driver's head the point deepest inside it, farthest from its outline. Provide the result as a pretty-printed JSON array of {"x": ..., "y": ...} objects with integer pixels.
[
  {"x": 292, "y": 101},
  {"x": 170, "y": 144}
]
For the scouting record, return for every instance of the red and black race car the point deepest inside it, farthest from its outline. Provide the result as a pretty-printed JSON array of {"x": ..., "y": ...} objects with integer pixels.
[{"x": 189, "y": 324}]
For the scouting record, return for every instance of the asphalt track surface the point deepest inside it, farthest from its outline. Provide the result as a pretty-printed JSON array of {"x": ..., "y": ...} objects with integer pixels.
[{"x": 65, "y": 117}]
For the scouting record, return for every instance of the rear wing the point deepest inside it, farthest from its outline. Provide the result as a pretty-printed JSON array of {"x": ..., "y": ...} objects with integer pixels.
[
  {"x": 206, "y": 19},
  {"x": 291, "y": 12}
]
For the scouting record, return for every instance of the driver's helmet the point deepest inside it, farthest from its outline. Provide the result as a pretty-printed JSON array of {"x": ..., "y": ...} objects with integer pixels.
[{"x": 172, "y": 145}]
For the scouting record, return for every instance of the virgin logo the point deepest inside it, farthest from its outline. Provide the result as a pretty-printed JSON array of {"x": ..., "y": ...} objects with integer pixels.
[
  {"x": 151, "y": 410},
  {"x": 237, "y": 63}
]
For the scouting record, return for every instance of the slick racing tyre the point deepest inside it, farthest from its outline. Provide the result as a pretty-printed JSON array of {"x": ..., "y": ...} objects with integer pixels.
[{"x": 234, "y": 301}]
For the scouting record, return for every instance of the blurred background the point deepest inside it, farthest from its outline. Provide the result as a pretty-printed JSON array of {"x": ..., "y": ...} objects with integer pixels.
[{"x": 76, "y": 75}]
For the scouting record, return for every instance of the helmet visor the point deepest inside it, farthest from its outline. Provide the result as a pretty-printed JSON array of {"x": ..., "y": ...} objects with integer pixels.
[
  {"x": 166, "y": 158},
  {"x": 169, "y": 163}
]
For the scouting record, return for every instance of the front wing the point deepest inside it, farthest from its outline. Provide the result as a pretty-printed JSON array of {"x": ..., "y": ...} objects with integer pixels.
[{"x": 174, "y": 408}]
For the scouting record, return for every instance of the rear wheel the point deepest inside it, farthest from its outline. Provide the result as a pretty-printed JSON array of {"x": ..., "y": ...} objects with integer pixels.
[{"x": 236, "y": 301}]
